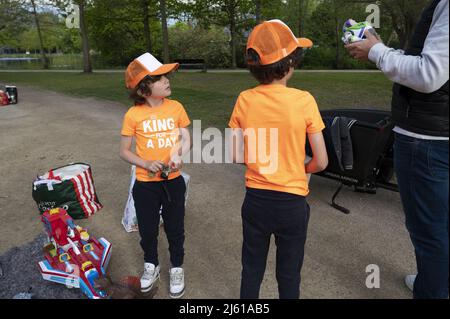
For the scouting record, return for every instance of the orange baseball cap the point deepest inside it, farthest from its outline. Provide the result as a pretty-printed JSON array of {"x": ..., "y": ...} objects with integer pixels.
[
  {"x": 273, "y": 40},
  {"x": 144, "y": 65}
]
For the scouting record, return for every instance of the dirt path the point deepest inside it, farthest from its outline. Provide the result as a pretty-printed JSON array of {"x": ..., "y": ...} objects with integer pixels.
[{"x": 48, "y": 129}]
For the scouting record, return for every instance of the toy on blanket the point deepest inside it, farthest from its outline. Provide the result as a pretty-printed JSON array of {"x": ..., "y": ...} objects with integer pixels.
[
  {"x": 354, "y": 31},
  {"x": 72, "y": 256}
]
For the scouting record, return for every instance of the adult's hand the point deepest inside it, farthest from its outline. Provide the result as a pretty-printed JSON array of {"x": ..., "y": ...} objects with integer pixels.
[{"x": 360, "y": 50}]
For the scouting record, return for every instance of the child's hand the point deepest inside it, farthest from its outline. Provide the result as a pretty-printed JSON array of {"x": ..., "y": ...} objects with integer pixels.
[
  {"x": 154, "y": 166},
  {"x": 175, "y": 163}
]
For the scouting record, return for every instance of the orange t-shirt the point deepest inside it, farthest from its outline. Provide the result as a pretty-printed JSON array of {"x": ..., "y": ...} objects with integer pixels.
[
  {"x": 293, "y": 113},
  {"x": 155, "y": 130}
]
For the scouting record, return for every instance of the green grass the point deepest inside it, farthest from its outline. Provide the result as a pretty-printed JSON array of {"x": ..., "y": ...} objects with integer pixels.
[{"x": 211, "y": 96}]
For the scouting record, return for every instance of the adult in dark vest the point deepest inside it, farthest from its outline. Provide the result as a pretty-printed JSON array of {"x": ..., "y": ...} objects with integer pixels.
[{"x": 420, "y": 111}]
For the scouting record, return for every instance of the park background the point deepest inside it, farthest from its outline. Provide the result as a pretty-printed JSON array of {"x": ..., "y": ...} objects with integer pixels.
[
  {"x": 96, "y": 43},
  {"x": 105, "y": 34},
  {"x": 72, "y": 98}
]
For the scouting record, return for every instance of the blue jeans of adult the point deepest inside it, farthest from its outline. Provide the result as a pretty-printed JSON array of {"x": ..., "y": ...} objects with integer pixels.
[{"x": 422, "y": 173}]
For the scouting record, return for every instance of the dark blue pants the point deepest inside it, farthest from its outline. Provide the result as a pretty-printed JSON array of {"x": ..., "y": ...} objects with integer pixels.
[
  {"x": 148, "y": 198},
  {"x": 285, "y": 215},
  {"x": 422, "y": 173}
]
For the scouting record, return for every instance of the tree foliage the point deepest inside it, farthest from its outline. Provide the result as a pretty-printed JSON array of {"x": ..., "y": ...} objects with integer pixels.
[
  {"x": 215, "y": 30},
  {"x": 14, "y": 19}
]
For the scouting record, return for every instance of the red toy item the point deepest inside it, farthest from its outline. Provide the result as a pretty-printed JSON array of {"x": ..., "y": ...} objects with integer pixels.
[
  {"x": 4, "y": 100},
  {"x": 73, "y": 257}
]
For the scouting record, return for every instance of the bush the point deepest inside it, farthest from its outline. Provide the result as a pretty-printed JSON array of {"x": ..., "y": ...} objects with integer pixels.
[
  {"x": 318, "y": 58},
  {"x": 325, "y": 58},
  {"x": 189, "y": 42}
]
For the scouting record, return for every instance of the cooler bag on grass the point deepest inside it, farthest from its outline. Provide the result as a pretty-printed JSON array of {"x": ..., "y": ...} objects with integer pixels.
[{"x": 70, "y": 187}]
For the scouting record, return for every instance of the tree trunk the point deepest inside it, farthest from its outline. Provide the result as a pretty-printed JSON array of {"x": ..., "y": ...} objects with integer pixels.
[
  {"x": 87, "y": 64},
  {"x": 258, "y": 11},
  {"x": 233, "y": 40},
  {"x": 389, "y": 40},
  {"x": 165, "y": 33},
  {"x": 147, "y": 34},
  {"x": 337, "y": 37},
  {"x": 403, "y": 40},
  {"x": 45, "y": 62},
  {"x": 338, "y": 45},
  {"x": 404, "y": 18},
  {"x": 410, "y": 26},
  {"x": 300, "y": 17}
]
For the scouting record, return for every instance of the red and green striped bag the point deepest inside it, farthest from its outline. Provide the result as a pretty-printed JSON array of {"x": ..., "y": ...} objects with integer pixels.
[{"x": 70, "y": 187}]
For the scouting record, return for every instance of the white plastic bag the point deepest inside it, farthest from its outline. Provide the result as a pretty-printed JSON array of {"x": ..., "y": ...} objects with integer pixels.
[{"x": 129, "y": 220}]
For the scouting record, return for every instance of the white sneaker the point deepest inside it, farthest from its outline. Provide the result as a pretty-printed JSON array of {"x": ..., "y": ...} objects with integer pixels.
[
  {"x": 409, "y": 281},
  {"x": 176, "y": 282},
  {"x": 151, "y": 274}
]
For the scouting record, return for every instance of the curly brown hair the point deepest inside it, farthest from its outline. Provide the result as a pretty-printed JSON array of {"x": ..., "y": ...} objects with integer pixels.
[
  {"x": 142, "y": 90},
  {"x": 266, "y": 74}
]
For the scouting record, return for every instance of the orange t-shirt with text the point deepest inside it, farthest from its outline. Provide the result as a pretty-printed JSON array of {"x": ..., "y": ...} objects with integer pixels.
[
  {"x": 290, "y": 112},
  {"x": 156, "y": 133}
]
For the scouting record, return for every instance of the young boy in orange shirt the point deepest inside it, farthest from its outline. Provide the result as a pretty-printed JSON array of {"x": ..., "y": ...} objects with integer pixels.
[
  {"x": 156, "y": 123},
  {"x": 275, "y": 201}
]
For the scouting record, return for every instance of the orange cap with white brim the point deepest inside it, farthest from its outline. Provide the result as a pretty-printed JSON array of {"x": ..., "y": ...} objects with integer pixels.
[{"x": 144, "y": 65}]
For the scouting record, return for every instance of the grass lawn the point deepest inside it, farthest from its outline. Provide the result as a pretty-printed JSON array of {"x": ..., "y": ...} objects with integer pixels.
[{"x": 211, "y": 96}]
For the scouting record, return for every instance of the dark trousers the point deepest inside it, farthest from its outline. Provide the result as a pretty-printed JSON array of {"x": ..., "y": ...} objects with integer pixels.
[
  {"x": 285, "y": 215},
  {"x": 148, "y": 198},
  {"x": 422, "y": 173}
]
